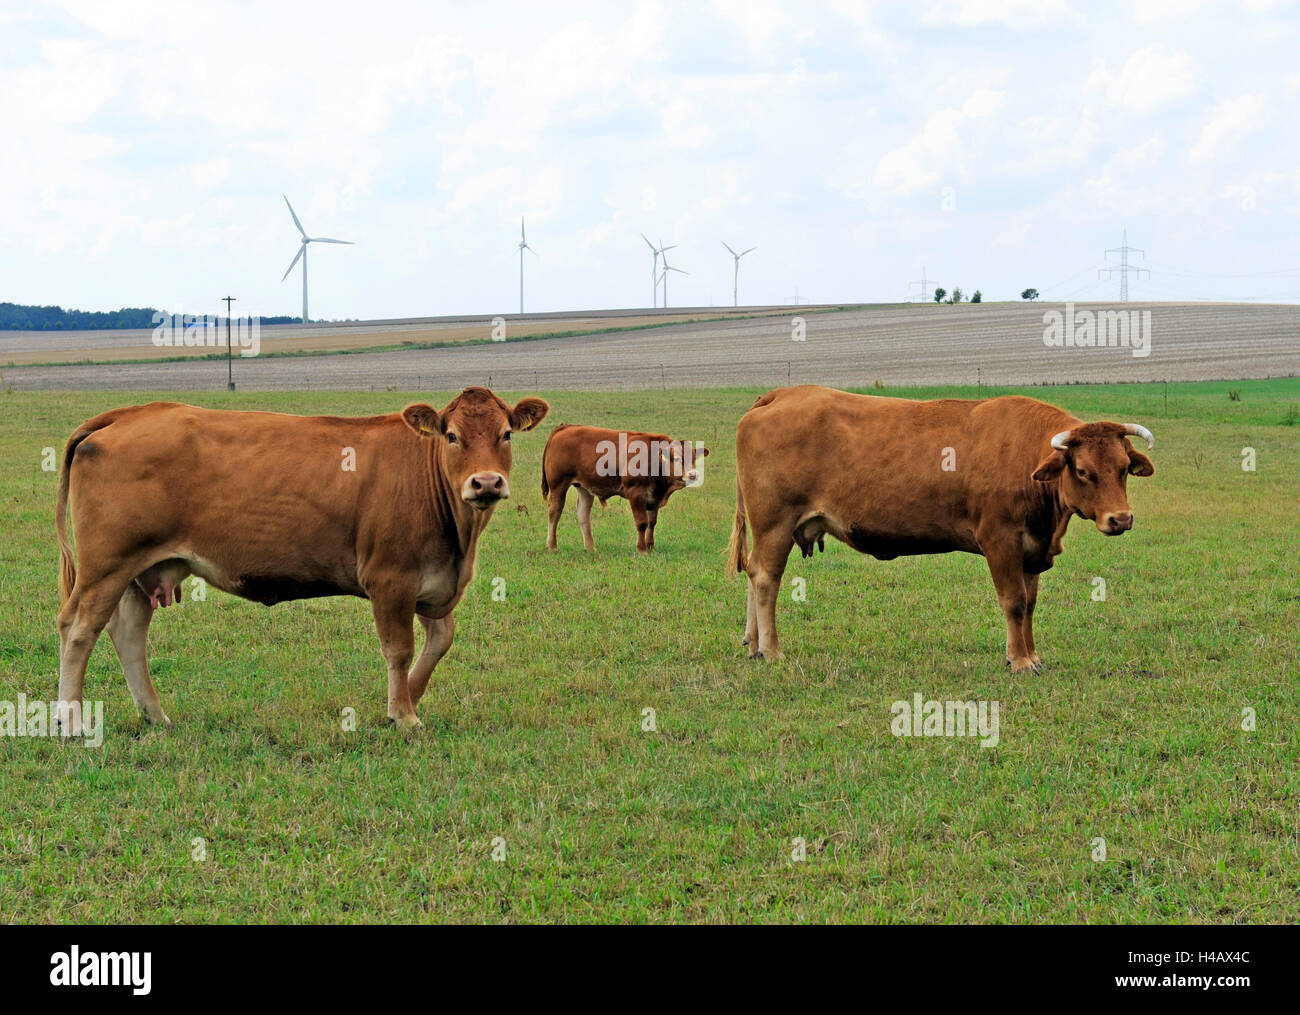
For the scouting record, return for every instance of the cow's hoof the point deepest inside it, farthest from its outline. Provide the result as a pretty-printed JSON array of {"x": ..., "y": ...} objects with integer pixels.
[
  {"x": 409, "y": 722},
  {"x": 756, "y": 655},
  {"x": 1023, "y": 666},
  {"x": 157, "y": 719}
]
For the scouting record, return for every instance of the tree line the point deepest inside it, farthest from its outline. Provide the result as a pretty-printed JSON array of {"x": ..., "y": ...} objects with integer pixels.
[{"x": 20, "y": 317}]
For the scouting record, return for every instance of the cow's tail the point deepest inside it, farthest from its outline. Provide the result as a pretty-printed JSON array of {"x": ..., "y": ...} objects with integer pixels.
[
  {"x": 737, "y": 550},
  {"x": 546, "y": 487},
  {"x": 67, "y": 562}
]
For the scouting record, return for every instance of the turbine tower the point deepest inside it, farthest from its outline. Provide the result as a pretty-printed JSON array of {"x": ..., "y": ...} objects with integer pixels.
[
  {"x": 302, "y": 253},
  {"x": 663, "y": 252},
  {"x": 735, "y": 278},
  {"x": 523, "y": 245}
]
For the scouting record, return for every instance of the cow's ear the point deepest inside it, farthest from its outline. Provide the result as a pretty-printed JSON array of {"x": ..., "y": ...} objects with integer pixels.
[
  {"x": 1050, "y": 467},
  {"x": 528, "y": 413},
  {"x": 702, "y": 451},
  {"x": 423, "y": 419},
  {"x": 1139, "y": 464}
]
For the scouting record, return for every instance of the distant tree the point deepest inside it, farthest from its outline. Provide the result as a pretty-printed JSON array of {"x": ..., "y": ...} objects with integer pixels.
[
  {"x": 1029, "y": 294},
  {"x": 939, "y": 294},
  {"x": 18, "y": 317},
  {"x": 978, "y": 297},
  {"x": 956, "y": 296}
]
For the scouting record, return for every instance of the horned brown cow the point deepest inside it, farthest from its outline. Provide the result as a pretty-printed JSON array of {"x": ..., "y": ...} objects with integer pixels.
[
  {"x": 644, "y": 468},
  {"x": 1001, "y": 477},
  {"x": 272, "y": 507}
]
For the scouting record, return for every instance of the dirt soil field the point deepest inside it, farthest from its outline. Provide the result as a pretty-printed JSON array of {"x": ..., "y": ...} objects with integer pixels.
[
  {"x": 26, "y": 348},
  {"x": 905, "y": 344}
]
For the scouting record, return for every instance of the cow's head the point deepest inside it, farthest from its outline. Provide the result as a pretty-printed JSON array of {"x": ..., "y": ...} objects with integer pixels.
[
  {"x": 475, "y": 431},
  {"x": 680, "y": 466},
  {"x": 1092, "y": 463}
]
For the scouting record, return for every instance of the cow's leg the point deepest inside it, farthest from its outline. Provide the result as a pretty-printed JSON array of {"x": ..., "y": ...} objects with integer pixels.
[
  {"x": 555, "y": 509},
  {"x": 82, "y": 618},
  {"x": 767, "y": 562},
  {"x": 437, "y": 639},
  {"x": 751, "y": 616},
  {"x": 639, "y": 516},
  {"x": 1004, "y": 560},
  {"x": 585, "y": 501},
  {"x": 651, "y": 516},
  {"x": 395, "y": 620},
  {"x": 1031, "y": 598},
  {"x": 129, "y": 629}
]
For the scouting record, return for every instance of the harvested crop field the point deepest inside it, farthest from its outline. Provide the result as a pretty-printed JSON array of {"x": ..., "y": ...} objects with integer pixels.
[{"x": 893, "y": 345}]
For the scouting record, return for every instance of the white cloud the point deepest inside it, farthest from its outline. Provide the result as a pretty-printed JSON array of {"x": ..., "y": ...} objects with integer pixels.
[
  {"x": 1150, "y": 78},
  {"x": 923, "y": 160},
  {"x": 1168, "y": 12},
  {"x": 1229, "y": 121},
  {"x": 1013, "y": 13}
]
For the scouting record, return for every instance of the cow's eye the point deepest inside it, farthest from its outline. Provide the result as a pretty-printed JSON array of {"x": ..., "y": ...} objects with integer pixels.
[
  {"x": 1082, "y": 474},
  {"x": 451, "y": 437},
  {"x": 506, "y": 436}
]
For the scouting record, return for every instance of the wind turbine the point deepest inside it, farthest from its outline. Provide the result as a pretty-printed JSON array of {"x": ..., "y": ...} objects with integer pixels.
[
  {"x": 654, "y": 270},
  {"x": 523, "y": 245},
  {"x": 302, "y": 253},
  {"x": 735, "y": 280},
  {"x": 667, "y": 268}
]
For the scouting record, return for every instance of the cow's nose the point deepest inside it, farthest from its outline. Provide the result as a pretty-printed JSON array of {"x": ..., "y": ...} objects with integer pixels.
[
  {"x": 486, "y": 488},
  {"x": 1120, "y": 521}
]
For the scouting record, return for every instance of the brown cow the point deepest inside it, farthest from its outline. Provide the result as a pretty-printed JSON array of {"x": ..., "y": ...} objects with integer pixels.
[
  {"x": 272, "y": 507},
  {"x": 645, "y": 468},
  {"x": 892, "y": 477}
]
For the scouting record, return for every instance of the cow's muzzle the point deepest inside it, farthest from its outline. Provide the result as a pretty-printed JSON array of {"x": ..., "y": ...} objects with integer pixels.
[
  {"x": 483, "y": 489},
  {"x": 1116, "y": 524}
]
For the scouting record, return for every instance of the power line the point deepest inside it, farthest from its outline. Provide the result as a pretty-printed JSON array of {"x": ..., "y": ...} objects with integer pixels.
[{"x": 1215, "y": 274}]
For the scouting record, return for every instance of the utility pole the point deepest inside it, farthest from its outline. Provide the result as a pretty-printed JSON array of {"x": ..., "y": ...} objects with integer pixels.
[
  {"x": 1124, "y": 267},
  {"x": 924, "y": 283},
  {"x": 230, "y": 377}
]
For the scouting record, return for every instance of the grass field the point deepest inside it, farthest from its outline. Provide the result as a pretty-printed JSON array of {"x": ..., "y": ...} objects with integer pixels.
[{"x": 1132, "y": 732}]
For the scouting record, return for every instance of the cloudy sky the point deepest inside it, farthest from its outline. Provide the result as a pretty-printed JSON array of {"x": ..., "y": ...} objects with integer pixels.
[{"x": 999, "y": 144}]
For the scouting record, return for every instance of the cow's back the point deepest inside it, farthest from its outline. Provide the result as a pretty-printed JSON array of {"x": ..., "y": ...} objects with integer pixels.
[
  {"x": 252, "y": 493},
  {"x": 574, "y": 454},
  {"x": 889, "y": 474}
]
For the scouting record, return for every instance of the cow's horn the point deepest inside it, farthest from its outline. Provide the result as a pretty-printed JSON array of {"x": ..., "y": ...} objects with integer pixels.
[
  {"x": 1138, "y": 430},
  {"x": 1059, "y": 441}
]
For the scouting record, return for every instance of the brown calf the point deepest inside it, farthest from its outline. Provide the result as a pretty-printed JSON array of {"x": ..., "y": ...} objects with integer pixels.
[{"x": 645, "y": 468}]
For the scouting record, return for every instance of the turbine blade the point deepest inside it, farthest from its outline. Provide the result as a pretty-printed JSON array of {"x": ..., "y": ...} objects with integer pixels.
[
  {"x": 326, "y": 239},
  {"x": 648, "y": 243},
  {"x": 672, "y": 247},
  {"x": 744, "y": 252},
  {"x": 301, "y": 248},
  {"x": 295, "y": 217},
  {"x": 729, "y": 250}
]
